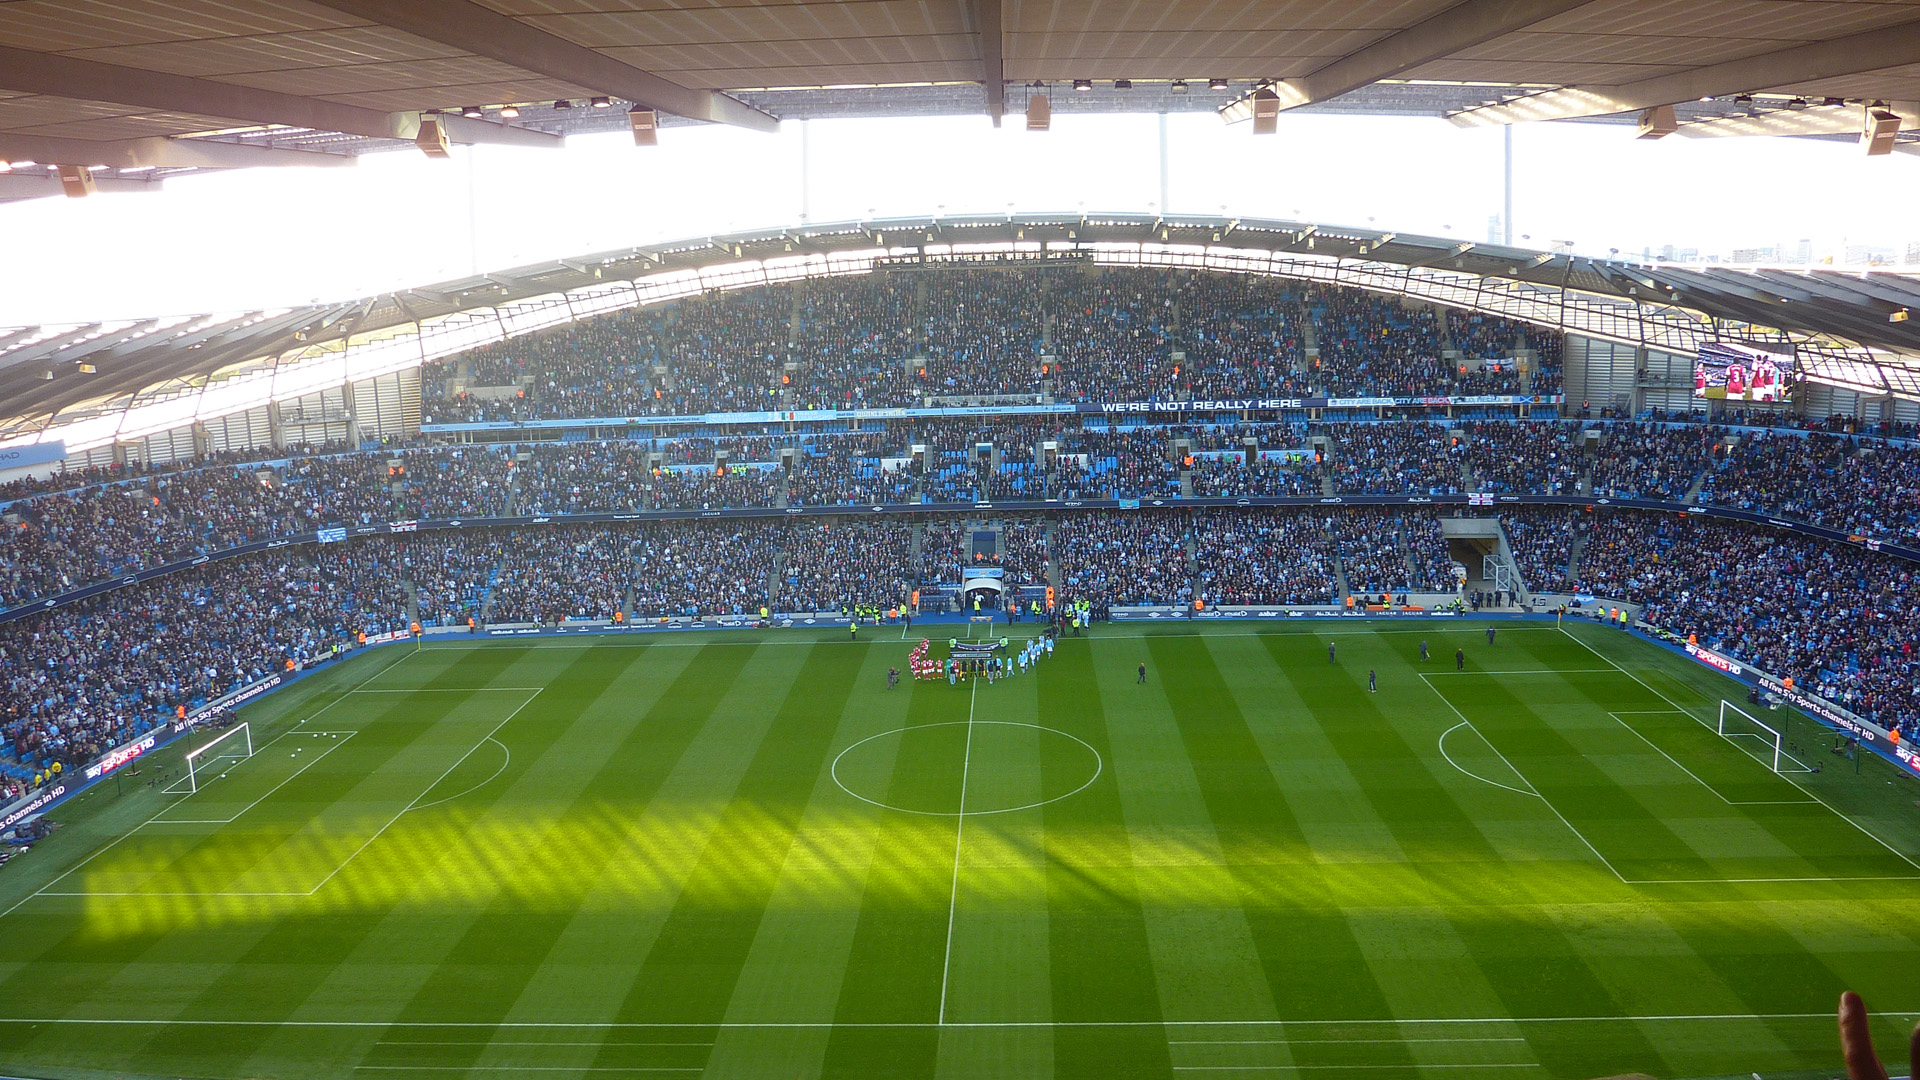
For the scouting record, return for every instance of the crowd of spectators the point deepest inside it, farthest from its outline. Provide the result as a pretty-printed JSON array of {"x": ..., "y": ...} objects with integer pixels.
[
  {"x": 1541, "y": 538},
  {"x": 1652, "y": 461},
  {"x": 718, "y": 567},
  {"x": 891, "y": 339},
  {"x": 1372, "y": 346},
  {"x": 60, "y": 541},
  {"x": 834, "y": 565},
  {"x": 1241, "y": 333},
  {"x": 945, "y": 546},
  {"x": 451, "y": 572},
  {"x": 1531, "y": 456},
  {"x": 83, "y": 678},
  {"x": 1265, "y": 557},
  {"x": 1837, "y": 619},
  {"x": 1232, "y": 477},
  {"x": 1140, "y": 556},
  {"x": 573, "y": 572},
  {"x": 1428, "y": 553},
  {"x": 1866, "y": 487},
  {"x": 1372, "y": 558},
  {"x": 1393, "y": 459}
]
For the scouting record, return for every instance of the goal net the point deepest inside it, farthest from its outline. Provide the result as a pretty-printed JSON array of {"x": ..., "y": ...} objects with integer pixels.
[
  {"x": 207, "y": 762},
  {"x": 1758, "y": 738}
]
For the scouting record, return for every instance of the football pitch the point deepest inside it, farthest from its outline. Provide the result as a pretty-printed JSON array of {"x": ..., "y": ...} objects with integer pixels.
[{"x": 747, "y": 856}]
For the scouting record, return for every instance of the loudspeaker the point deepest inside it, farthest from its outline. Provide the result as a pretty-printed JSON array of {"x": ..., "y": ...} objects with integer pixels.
[
  {"x": 1266, "y": 111},
  {"x": 1878, "y": 134},
  {"x": 431, "y": 138},
  {"x": 645, "y": 124},
  {"x": 1039, "y": 113},
  {"x": 1658, "y": 122},
  {"x": 77, "y": 180}
]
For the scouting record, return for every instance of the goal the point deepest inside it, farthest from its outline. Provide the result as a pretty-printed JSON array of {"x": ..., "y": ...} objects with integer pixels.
[
  {"x": 1757, "y": 738},
  {"x": 234, "y": 744}
]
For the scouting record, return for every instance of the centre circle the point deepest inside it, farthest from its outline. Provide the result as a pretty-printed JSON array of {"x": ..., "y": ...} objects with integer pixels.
[{"x": 1004, "y": 766}]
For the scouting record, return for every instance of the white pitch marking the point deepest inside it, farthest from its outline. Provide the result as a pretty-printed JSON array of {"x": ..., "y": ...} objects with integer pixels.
[
  {"x": 532, "y": 1067},
  {"x": 1443, "y": 753},
  {"x": 416, "y": 799},
  {"x": 523, "y": 1042},
  {"x": 959, "y": 831},
  {"x": 43, "y": 890},
  {"x": 448, "y": 690},
  {"x": 1863, "y": 829},
  {"x": 1523, "y": 776},
  {"x": 1388, "y": 1041},
  {"x": 496, "y": 775},
  {"x": 1716, "y": 791},
  {"x": 596, "y": 1025},
  {"x": 1529, "y": 671},
  {"x": 332, "y": 745},
  {"x": 1302, "y": 1068}
]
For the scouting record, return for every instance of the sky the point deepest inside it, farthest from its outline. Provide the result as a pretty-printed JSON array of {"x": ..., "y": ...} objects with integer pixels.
[{"x": 283, "y": 236}]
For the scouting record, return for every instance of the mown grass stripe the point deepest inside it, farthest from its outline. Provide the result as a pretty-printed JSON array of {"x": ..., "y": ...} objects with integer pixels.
[
  {"x": 690, "y": 972},
  {"x": 512, "y": 940},
  {"x": 1249, "y": 811},
  {"x": 1525, "y": 963},
  {"x": 234, "y": 969},
  {"x": 406, "y": 929},
  {"x": 894, "y": 959},
  {"x": 1098, "y": 952}
]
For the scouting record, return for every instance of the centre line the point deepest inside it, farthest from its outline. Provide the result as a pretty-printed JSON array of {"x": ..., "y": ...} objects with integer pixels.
[{"x": 960, "y": 830}]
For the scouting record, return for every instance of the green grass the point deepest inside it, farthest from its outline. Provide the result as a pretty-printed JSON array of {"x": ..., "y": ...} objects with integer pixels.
[{"x": 745, "y": 857}]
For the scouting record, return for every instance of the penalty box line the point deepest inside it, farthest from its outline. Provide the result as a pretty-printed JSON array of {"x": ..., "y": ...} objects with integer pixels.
[
  {"x": 337, "y": 740},
  {"x": 1904, "y": 857},
  {"x": 42, "y": 890},
  {"x": 1604, "y": 861},
  {"x": 415, "y": 802},
  {"x": 461, "y": 760},
  {"x": 1696, "y": 776},
  {"x": 1548, "y": 803}
]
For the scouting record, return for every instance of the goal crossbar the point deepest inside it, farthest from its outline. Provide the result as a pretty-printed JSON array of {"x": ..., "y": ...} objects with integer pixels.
[
  {"x": 197, "y": 761},
  {"x": 1735, "y": 723}
]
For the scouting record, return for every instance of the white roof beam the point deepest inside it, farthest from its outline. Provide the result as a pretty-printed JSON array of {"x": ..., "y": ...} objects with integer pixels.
[
  {"x": 1892, "y": 46},
  {"x": 987, "y": 20},
  {"x": 158, "y": 153},
  {"x": 89, "y": 80},
  {"x": 485, "y": 32},
  {"x": 467, "y": 131},
  {"x": 1462, "y": 26},
  {"x": 41, "y": 185}
]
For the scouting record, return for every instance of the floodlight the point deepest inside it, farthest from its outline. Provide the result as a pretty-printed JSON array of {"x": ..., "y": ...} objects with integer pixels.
[
  {"x": 1179, "y": 86},
  {"x": 563, "y": 103},
  {"x": 472, "y": 112},
  {"x": 1123, "y": 84},
  {"x": 1216, "y": 84},
  {"x": 1083, "y": 85},
  {"x": 602, "y": 102},
  {"x": 510, "y": 112}
]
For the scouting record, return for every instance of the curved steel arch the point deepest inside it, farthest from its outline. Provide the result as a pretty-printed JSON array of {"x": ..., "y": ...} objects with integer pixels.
[{"x": 1849, "y": 329}]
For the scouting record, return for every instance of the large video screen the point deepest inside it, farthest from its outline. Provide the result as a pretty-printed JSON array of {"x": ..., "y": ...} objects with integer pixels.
[{"x": 1740, "y": 373}]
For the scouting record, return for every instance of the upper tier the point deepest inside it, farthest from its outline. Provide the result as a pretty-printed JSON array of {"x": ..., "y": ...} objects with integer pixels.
[{"x": 1065, "y": 333}]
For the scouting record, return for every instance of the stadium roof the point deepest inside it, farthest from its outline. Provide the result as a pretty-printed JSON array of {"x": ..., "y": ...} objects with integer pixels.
[
  {"x": 1847, "y": 327},
  {"x": 150, "y": 88}
]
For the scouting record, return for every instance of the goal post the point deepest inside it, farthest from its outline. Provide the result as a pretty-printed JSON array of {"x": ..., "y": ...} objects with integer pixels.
[
  {"x": 1735, "y": 723},
  {"x": 203, "y": 759}
]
